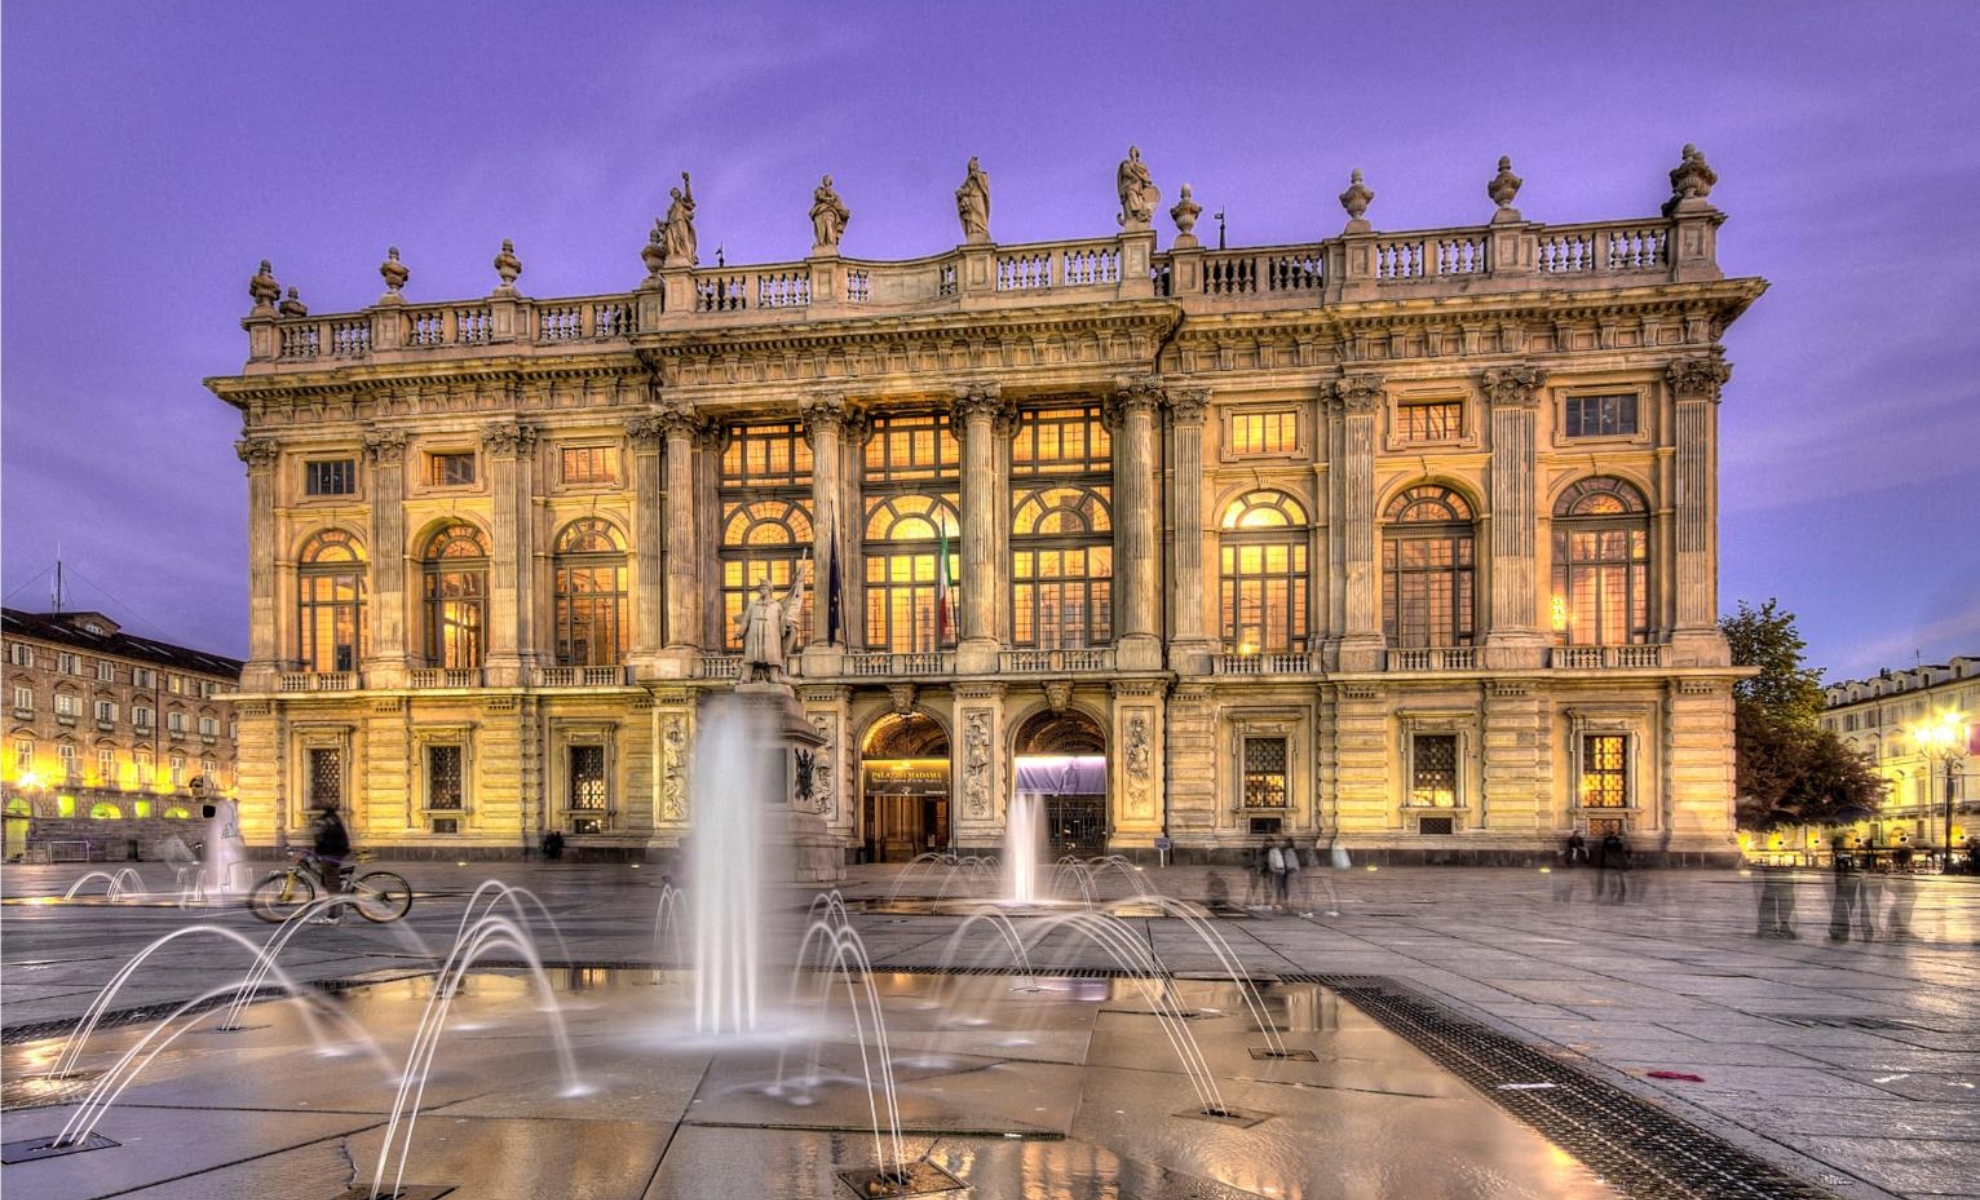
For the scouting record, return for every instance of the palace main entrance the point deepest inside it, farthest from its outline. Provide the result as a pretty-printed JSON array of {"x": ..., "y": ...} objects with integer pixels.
[
  {"x": 1062, "y": 768},
  {"x": 904, "y": 788}
]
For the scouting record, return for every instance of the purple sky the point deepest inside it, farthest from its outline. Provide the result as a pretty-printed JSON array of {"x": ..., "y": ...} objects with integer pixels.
[{"x": 154, "y": 152}]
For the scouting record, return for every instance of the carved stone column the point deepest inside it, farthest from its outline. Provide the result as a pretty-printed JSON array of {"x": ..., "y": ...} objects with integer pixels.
[
  {"x": 1356, "y": 399},
  {"x": 1138, "y": 816},
  {"x": 824, "y": 419},
  {"x": 645, "y": 436},
  {"x": 680, "y": 423},
  {"x": 386, "y": 667},
  {"x": 984, "y": 489},
  {"x": 709, "y": 442},
  {"x": 1513, "y": 639},
  {"x": 264, "y": 630},
  {"x": 510, "y": 446},
  {"x": 829, "y": 709},
  {"x": 1695, "y": 384},
  {"x": 1138, "y": 574},
  {"x": 981, "y": 788},
  {"x": 1191, "y": 647}
]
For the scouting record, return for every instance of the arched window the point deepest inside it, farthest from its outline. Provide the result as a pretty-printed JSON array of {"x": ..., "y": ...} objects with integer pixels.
[
  {"x": 330, "y": 618},
  {"x": 589, "y": 576},
  {"x": 1428, "y": 569},
  {"x": 1601, "y": 564},
  {"x": 912, "y": 483},
  {"x": 456, "y": 571},
  {"x": 1062, "y": 542},
  {"x": 765, "y": 493},
  {"x": 1263, "y": 547}
]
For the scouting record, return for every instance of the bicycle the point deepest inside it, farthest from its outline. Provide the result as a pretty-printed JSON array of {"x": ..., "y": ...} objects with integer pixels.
[{"x": 378, "y": 896}]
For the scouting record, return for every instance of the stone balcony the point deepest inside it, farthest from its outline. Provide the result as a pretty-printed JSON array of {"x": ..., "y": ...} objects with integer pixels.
[{"x": 1505, "y": 257}]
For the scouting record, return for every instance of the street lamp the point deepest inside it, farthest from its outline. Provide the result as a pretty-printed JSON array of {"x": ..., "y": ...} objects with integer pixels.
[{"x": 1943, "y": 740}]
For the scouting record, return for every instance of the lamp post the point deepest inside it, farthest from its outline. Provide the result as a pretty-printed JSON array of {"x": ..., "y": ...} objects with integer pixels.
[{"x": 1943, "y": 741}]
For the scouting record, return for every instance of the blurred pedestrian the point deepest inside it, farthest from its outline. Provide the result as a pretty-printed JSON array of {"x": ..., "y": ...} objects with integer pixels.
[
  {"x": 1776, "y": 903},
  {"x": 1846, "y": 906},
  {"x": 1614, "y": 880},
  {"x": 1295, "y": 885},
  {"x": 1275, "y": 862}
]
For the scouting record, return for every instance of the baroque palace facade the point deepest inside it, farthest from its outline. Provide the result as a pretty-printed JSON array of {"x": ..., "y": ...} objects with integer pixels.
[{"x": 1406, "y": 538}]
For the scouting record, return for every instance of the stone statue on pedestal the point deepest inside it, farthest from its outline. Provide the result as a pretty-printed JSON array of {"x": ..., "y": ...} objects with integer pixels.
[
  {"x": 829, "y": 216},
  {"x": 1138, "y": 192},
  {"x": 769, "y": 629},
  {"x": 677, "y": 237},
  {"x": 973, "y": 203}
]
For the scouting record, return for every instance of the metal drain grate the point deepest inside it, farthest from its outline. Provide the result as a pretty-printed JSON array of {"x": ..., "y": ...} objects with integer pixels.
[{"x": 1637, "y": 1148}]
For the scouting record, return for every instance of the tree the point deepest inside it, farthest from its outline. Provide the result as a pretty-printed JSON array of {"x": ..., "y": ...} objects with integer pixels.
[{"x": 1788, "y": 770}]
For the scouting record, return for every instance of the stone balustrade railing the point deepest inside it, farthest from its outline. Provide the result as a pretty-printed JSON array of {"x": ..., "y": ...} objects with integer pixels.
[
  {"x": 1032, "y": 662},
  {"x": 591, "y": 677},
  {"x": 443, "y": 677},
  {"x": 1264, "y": 664},
  {"x": 1507, "y": 256},
  {"x": 1588, "y": 658},
  {"x": 1435, "y": 658}
]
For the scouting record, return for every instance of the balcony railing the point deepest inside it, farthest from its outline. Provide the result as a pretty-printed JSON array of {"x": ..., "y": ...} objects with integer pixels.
[
  {"x": 1593, "y": 658},
  {"x": 320, "y": 681},
  {"x": 613, "y": 675},
  {"x": 718, "y": 666},
  {"x": 1435, "y": 658},
  {"x": 1264, "y": 664},
  {"x": 444, "y": 677},
  {"x": 1032, "y": 662},
  {"x": 882, "y": 664}
]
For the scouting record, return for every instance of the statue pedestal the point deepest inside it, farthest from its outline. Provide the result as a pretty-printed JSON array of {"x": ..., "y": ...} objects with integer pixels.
[{"x": 799, "y": 847}]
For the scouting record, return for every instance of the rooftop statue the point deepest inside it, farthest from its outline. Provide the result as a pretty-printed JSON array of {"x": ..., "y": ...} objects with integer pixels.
[
  {"x": 1138, "y": 192},
  {"x": 677, "y": 227},
  {"x": 769, "y": 629},
  {"x": 829, "y": 216},
  {"x": 973, "y": 203}
]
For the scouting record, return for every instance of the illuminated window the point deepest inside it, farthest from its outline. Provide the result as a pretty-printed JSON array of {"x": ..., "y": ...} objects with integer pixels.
[
  {"x": 456, "y": 562},
  {"x": 1604, "y": 770},
  {"x": 23, "y": 756},
  {"x": 450, "y": 469},
  {"x": 589, "y": 464},
  {"x": 175, "y": 684},
  {"x": 330, "y": 603},
  {"x": 1062, "y": 552},
  {"x": 140, "y": 808},
  {"x": 912, "y": 484},
  {"x": 1264, "y": 432},
  {"x": 765, "y": 494},
  {"x": 444, "y": 786},
  {"x": 177, "y": 763},
  {"x": 590, "y": 585},
  {"x": 71, "y": 768},
  {"x": 105, "y": 811},
  {"x": 145, "y": 765},
  {"x": 1601, "y": 416},
  {"x": 1428, "y": 593},
  {"x": 1264, "y": 772},
  {"x": 1441, "y": 421},
  {"x": 330, "y": 477},
  {"x": 326, "y": 777},
  {"x": 1263, "y": 582},
  {"x": 65, "y": 705},
  {"x": 588, "y": 791},
  {"x": 106, "y": 767},
  {"x": 65, "y": 807},
  {"x": 1601, "y": 564},
  {"x": 1433, "y": 770}
]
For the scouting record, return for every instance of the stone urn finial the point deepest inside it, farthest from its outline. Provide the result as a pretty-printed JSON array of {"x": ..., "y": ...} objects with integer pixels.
[
  {"x": 507, "y": 265},
  {"x": 1184, "y": 214},
  {"x": 395, "y": 272},
  {"x": 1504, "y": 186},
  {"x": 263, "y": 287},
  {"x": 293, "y": 306},
  {"x": 1356, "y": 200},
  {"x": 1691, "y": 182}
]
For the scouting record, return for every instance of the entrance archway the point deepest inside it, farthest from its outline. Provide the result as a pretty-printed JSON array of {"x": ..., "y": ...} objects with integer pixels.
[
  {"x": 904, "y": 788},
  {"x": 1061, "y": 767}
]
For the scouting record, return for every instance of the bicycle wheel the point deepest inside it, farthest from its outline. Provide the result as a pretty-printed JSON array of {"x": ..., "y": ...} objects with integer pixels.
[
  {"x": 280, "y": 896},
  {"x": 381, "y": 896}
]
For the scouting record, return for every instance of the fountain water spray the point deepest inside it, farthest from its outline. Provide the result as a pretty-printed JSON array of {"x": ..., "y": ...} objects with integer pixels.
[
  {"x": 1021, "y": 849},
  {"x": 731, "y": 796}
]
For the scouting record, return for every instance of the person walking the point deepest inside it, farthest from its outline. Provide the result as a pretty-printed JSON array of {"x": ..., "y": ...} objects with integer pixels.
[
  {"x": 1846, "y": 900},
  {"x": 332, "y": 845},
  {"x": 1903, "y": 887},
  {"x": 1257, "y": 878},
  {"x": 1275, "y": 862},
  {"x": 1295, "y": 894}
]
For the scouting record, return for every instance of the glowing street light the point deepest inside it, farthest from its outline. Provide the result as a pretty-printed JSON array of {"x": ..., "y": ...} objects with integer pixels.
[{"x": 1945, "y": 741}]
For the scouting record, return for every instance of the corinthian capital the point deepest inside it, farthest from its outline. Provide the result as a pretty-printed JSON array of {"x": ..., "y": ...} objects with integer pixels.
[
  {"x": 677, "y": 416},
  {"x": 976, "y": 400},
  {"x": 385, "y": 447},
  {"x": 1133, "y": 394},
  {"x": 508, "y": 437},
  {"x": 824, "y": 410},
  {"x": 1357, "y": 393},
  {"x": 645, "y": 431},
  {"x": 1187, "y": 405},
  {"x": 1518, "y": 386},
  {"x": 1698, "y": 378},
  {"x": 259, "y": 453}
]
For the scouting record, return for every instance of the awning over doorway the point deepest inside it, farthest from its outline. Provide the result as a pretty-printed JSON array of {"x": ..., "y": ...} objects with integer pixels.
[{"x": 1062, "y": 775}]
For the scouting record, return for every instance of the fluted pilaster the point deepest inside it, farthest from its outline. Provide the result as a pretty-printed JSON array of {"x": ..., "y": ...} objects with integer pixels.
[
  {"x": 510, "y": 446},
  {"x": 679, "y": 422},
  {"x": 264, "y": 650},
  {"x": 1356, "y": 400},
  {"x": 1695, "y": 385},
  {"x": 1513, "y": 638},
  {"x": 984, "y": 488},
  {"x": 386, "y": 450},
  {"x": 646, "y": 439},
  {"x": 1186, "y": 410}
]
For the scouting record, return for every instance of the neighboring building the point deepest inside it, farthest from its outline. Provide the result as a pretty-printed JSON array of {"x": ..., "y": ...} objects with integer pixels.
[
  {"x": 105, "y": 730},
  {"x": 1879, "y": 717},
  {"x": 1409, "y": 536}
]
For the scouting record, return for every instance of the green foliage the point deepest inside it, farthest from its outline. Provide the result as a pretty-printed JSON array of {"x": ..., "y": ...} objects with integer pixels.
[{"x": 1789, "y": 770}]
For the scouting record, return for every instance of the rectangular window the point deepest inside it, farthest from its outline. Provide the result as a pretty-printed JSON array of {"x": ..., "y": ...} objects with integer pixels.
[
  {"x": 106, "y": 672},
  {"x": 178, "y": 770},
  {"x": 175, "y": 684},
  {"x": 1601, "y": 416},
  {"x": 65, "y": 705},
  {"x": 1605, "y": 770},
  {"x": 450, "y": 470},
  {"x": 1433, "y": 770},
  {"x": 443, "y": 777},
  {"x": 106, "y": 710},
  {"x": 24, "y": 701},
  {"x": 106, "y": 767},
  {"x": 143, "y": 677},
  {"x": 68, "y": 664},
  {"x": 71, "y": 772},
  {"x": 20, "y": 654},
  {"x": 330, "y": 477},
  {"x": 587, "y": 789},
  {"x": 23, "y": 756},
  {"x": 176, "y": 722},
  {"x": 211, "y": 769},
  {"x": 1264, "y": 772},
  {"x": 209, "y": 727},
  {"x": 141, "y": 718},
  {"x": 326, "y": 777},
  {"x": 1265, "y": 432},
  {"x": 1442, "y": 421},
  {"x": 590, "y": 464}
]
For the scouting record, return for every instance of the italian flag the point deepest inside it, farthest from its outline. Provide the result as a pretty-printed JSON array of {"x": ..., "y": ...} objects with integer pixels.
[{"x": 945, "y": 616}]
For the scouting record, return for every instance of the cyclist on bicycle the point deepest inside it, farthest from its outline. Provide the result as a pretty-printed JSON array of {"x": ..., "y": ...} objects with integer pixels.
[{"x": 332, "y": 847}]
